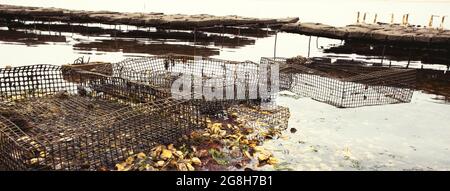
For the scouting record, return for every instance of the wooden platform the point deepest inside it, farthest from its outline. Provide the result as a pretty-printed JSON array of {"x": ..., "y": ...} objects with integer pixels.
[
  {"x": 176, "y": 21},
  {"x": 381, "y": 32}
]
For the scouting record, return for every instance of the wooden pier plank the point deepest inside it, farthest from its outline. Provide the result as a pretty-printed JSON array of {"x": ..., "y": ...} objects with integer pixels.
[
  {"x": 175, "y": 21},
  {"x": 380, "y": 32}
]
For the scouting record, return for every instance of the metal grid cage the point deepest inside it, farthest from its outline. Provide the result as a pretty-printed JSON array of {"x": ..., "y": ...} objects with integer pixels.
[
  {"x": 234, "y": 80},
  {"x": 272, "y": 117},
  {"x": 92, "y": 121},
  {"x": 231, "y": 82},
  {"x": 346, "y": 85}
]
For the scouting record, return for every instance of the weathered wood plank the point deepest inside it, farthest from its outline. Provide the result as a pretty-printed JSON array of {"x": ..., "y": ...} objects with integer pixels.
[
  {"x": 380, "y": 32},
  {"x": 176, "y": 21}
]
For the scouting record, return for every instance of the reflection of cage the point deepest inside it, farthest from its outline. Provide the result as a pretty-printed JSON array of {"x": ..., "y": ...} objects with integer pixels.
[
  {"x": 48, "y": 121},
  {"x": 230, "y": 82},
  {"x": 346, "y": 85}
]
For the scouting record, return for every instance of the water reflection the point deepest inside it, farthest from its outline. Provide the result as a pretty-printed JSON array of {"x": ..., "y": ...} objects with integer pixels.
[
  {"x": 426, "y": 55},
  {"x": 93, "y": 38},
  {"x": 236, "y": 40},
  {"x": 29, "y": 39},
  {"x": 137, "y": 46}
]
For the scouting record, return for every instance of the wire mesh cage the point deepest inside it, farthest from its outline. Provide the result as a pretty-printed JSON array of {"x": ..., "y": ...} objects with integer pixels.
[
  {"x": 48, "y": 122},
  {"x": 346, "y": 85},
  {"x": 212, "y": 82},
  {"x": 274, "y": 117}
]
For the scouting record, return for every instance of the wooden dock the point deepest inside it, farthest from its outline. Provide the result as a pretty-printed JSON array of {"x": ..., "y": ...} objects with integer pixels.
[
  {"x": 159, "y": 20},
  {"x": 381, "y": 32}
]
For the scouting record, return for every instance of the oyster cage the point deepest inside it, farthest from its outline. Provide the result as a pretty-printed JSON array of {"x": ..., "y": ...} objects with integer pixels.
[
  {"x": 273, "y": 117},
  {"x": 229, "y": 80},
  {"x": 346, "y": 85},
  {"x": 50, "y": 122}
]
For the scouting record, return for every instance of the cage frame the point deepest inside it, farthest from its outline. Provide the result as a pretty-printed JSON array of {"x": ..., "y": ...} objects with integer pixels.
[
  {"x": 18, "y": 149},
  {"x": 311, "y": 79}
]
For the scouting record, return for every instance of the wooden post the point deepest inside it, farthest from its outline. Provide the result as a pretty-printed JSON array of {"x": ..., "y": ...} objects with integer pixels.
[
  {"x": 403, "y": 20},
  {"x": 357, "y": 17},
  {"x": 442, "y": 22},
  {"x": 407, "y": 19},
  {"x": 430, "y": 23}
]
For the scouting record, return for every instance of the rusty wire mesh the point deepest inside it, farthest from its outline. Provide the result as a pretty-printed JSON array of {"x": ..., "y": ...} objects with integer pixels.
[
  {"x": 52, "y": 121},
  {"x": 346, "y": 85},
  {"x": 275, "y": 117},
  {"x": 229, "y": 82}
]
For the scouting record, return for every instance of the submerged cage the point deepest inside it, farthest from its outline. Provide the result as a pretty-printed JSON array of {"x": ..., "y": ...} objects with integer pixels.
[
  {"x": 51, "y": 122},
  {"x": 257, "y": 117},
  {"x": 211, "y": 82},
  {"x": 346, "y": 85}
]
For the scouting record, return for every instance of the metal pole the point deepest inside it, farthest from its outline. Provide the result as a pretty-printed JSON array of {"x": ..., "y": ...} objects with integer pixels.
[
  {"x": 222, "y": 34},
  {"x": 317, "y": 42},
  {"x": 275, "y": 46},
  {"x": 238, "y": 35},
  {"x": 309, "y": 46},
  {"x": 195, "y": 39},
  {"x": 409, "y": 58},
  {"x": 382, "y": 54}
]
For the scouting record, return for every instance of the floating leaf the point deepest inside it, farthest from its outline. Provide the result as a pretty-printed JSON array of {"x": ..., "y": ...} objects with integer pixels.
[
  {"x": 160, "y": 163},
  {"x": 129, "y": 160},
  {"x": 247, "y": 154},
  {"x": 178, "y": 154},
  {"x": 141, "y": 156},
  {"x": 166, "y": 154},
  {"x": 196, "y": 161},
  {"x": 182, "y": 167},
  {"x": 218, "y": 156},
  {"x": 272, "y": 161},
  {"x": 190, "y": 167},
  {"x": 263, "y": 155},
  {"x": 157, "y": 151},
  {"x": 120, "y": 167},
  {"x": 170, "y": 147}
]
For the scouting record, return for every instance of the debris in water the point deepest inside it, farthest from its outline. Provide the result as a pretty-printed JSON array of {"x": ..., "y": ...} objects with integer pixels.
[
  {"x": 223, "y": 144},
  {"x": 293, "y": 130}
]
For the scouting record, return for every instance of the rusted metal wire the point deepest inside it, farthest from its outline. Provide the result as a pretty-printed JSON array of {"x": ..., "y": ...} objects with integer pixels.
[
  {"x": 48, "y": 121},
  {"x": 234, "y": 82},
  {"x": 56, "y": 118},
  {"x": 346, "y": 85}
]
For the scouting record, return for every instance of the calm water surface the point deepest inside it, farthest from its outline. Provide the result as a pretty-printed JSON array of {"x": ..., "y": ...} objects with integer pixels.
[{"x": 325, "y": 11}]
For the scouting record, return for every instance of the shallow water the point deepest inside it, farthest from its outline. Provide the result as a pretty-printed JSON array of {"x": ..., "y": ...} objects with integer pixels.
[
  {"x": 326, "y": 11},
  {"x": 412, "y": 136}
]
